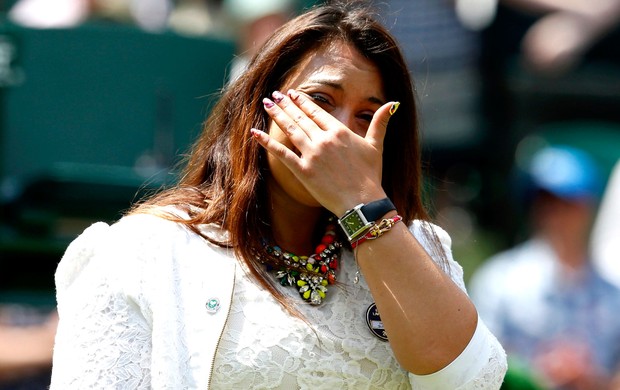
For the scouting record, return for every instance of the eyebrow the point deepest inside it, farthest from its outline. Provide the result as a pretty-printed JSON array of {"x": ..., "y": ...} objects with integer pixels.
[{"x": 335, "y": 85}]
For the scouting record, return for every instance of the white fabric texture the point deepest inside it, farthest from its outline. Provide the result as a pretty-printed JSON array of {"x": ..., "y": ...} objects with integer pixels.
[
  {"x": 131, "y": 299},
  {"x": 606, "y": 230}
]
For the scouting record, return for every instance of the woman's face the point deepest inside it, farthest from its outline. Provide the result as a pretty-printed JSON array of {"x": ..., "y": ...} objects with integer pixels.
[{"x": 346, "y": 85}]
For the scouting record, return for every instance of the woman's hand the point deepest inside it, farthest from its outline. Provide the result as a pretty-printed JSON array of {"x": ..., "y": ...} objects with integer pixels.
[{"x": 338, "y": 167}]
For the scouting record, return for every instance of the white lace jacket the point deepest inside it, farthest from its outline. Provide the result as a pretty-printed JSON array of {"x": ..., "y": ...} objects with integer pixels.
[{"x": 132, "y": 296}]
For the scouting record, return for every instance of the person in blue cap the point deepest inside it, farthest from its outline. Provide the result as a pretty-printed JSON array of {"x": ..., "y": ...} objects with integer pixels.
[{"x": 554, "y": 314}]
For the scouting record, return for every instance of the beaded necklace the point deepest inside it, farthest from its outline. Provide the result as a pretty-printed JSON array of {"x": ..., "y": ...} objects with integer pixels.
[{"x": 309, "y": 274}]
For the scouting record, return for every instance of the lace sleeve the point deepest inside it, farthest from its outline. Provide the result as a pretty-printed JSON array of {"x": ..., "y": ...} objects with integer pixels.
[{"x": 103, "y": 338}]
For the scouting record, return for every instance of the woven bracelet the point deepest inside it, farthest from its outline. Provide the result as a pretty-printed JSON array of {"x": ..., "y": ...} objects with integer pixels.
[{"x": 377, "y": 230}]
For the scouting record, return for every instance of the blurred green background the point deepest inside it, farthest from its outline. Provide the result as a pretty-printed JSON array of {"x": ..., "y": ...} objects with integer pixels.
[{"x": 92, "y": 117}]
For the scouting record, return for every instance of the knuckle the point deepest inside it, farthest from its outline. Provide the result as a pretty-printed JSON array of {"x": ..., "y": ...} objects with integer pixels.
[
  {"x": 327, "y": 143},
  {"x": 314, "y": 112},
  {"x": 311, "y": 160},
  {"x": 290, "y": 128},
  {"x": 340, "y": 132},
  {"x": 298, "y": 118},
  {"x": 284, "y": 103}
]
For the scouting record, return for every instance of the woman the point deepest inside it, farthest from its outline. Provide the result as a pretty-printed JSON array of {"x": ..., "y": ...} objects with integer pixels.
[{"x": 200, "y": 285}]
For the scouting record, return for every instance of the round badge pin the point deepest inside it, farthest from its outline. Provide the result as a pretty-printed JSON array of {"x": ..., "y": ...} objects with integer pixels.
[
  {"x": 373, "y": 320},
  {"x": 213, "y": 305}
]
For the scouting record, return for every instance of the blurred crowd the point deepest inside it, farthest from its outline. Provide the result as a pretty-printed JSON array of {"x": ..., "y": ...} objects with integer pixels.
[
  {"x": 195, "y": 17},
  {"x": 549, "y": 287},
  {"x": 224, "y": 18},
  {"x": 546, "y": 298}
]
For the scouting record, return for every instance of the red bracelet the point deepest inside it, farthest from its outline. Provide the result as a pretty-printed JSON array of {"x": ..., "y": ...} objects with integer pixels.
[{"x": 377, "y": 230}]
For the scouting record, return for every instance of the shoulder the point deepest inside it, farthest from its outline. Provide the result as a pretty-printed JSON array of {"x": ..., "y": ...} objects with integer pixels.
[{"x": 135, "y": 246}]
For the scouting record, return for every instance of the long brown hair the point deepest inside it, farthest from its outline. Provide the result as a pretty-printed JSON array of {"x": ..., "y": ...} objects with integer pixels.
[{"x": 224, "y": 182}]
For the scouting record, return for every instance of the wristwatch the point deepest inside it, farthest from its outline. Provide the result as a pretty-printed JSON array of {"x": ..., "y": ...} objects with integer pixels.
[{"x": 360, "y": 218}]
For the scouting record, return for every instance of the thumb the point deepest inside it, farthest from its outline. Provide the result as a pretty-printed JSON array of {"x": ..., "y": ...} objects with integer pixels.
[{"x": 378, "y": 125}]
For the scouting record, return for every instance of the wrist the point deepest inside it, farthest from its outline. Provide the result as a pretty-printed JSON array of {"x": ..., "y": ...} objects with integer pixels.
[
  {"x": 356, "y": 221},
  {"x": 350, "y": 200}
]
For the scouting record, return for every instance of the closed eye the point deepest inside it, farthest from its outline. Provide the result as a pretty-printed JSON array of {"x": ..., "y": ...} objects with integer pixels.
[
  {"x": 366, "y": 117},
  {"x": 320, "y": 99}
]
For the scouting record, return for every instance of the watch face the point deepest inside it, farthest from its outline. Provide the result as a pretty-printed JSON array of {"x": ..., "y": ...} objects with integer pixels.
[{"x": 353, "y": 222}]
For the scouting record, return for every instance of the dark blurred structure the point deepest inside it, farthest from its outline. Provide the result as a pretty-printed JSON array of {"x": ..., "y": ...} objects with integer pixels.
[
  {"x": 92, "y": 118},
  {"x": 442, "y": 54},
  {"x": 580, "y": 105}
]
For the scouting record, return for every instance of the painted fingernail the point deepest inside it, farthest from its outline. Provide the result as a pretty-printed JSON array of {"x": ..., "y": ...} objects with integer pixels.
[
  {"x": 394, "y": 108},
  {"x": 268, "y": 103},
  {"x": 293, "y": 94},
  {"x": 277, "y": 96}
]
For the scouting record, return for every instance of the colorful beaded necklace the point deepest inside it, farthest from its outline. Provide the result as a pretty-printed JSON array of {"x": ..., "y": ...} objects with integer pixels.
[{"x": 309, "y": 274}]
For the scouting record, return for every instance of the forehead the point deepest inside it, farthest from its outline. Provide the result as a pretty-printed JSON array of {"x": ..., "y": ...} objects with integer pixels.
[{"x": 337, "y": 61}]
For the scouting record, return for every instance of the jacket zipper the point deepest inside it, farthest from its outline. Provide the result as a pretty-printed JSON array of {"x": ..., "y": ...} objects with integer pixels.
[{"x": 217, "y": 345}]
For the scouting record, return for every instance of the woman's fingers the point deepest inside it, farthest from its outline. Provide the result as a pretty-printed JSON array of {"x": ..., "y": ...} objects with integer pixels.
[
  {"x": 312, "y": 111},
  {"x": 321, "y": 151},
  {"x": 376, "y": 131},
  {"x": 290, "y": 119},
  {"x": 300, "y": 119},
  {"x": 288, "y": 157},
  {"x": 378, "y": 126}
]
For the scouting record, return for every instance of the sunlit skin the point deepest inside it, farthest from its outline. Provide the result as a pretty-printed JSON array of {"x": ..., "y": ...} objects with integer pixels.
[
  {"x": 350, "y": 88},
  {"x": 325, "y": 147}
]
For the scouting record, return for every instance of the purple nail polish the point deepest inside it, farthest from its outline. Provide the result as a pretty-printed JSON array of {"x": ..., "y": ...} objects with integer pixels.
[
  {"x": 268, "y": 103},
  {"x": 277, "y": 96}
]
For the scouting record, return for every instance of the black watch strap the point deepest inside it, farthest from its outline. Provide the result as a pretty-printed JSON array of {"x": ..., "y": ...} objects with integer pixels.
[{"x": 377, "y": 209}]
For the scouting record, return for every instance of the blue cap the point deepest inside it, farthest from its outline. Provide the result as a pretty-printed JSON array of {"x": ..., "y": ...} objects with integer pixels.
[{"x": 566, "y": 172}]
